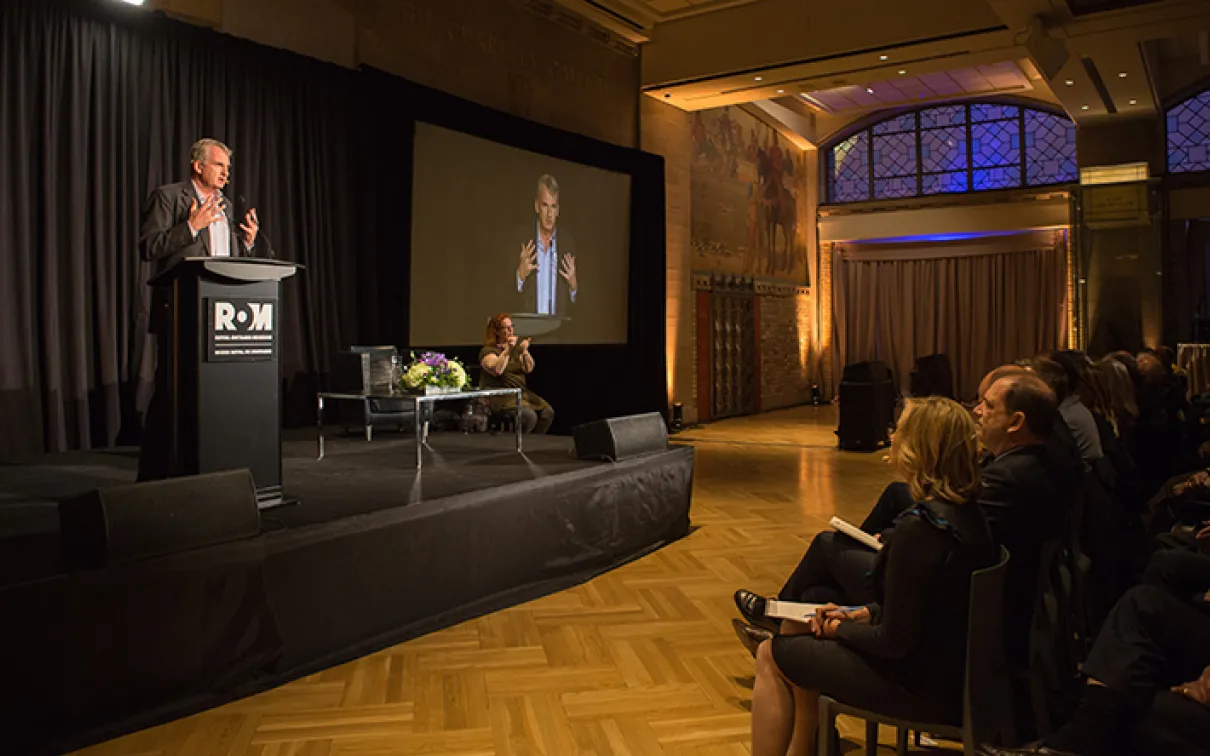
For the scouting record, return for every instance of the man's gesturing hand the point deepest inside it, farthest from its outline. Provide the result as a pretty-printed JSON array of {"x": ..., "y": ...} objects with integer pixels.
[
  {"x": 201, "y": 216},
  {"x": 250, "y": 227},
  {"x": 568, "y": 271},
  {"x": 529, "y": 260}
]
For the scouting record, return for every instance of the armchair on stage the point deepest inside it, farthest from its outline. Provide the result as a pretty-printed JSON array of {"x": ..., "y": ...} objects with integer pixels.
[{"x": 224, "y": 380}]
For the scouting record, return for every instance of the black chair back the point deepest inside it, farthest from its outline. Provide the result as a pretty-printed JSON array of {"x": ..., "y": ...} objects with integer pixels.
[{"x": 988, "y": 684}]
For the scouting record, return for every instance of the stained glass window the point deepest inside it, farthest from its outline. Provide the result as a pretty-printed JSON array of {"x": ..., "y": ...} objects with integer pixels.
[
  {"x": 969, "y": 147},
  {"x": 947, "y": 115},
  {"x": 896, "y": 124},
  {"x": 849, "y": 169},
  {"x": 943, "y": 149},
  {"x": 1048, "y": 138},
  {"x": 992, "y": 112},
  {"x": 895, "y": 165},
  {"x": 1189, "y": 135}
]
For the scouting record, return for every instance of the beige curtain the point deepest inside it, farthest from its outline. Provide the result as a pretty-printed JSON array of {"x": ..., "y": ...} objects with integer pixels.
[{"x": 983, "y": 310}]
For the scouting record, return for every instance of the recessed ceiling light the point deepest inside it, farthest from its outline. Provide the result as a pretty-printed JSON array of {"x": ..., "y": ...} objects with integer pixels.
[
  {"x": 882, "y": 57},
  {"x": 133, "y": 2},
  {"x": 781, "y": 91},
  {"x": 1069, "y": 82},
  {"x": 902, "y": 71},
  {"x": 759, "y": 78},
  {"x": 1121, "y": 74},
  {"x": 870, "y": 90},
  {"x": 1083, "y": 107},
  {"x": 1134, "y": 102}
]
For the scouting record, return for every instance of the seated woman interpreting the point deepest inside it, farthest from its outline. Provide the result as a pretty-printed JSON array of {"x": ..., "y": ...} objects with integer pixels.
[
  {"x": 506, "y": 362},
  {"x": 905, "y": 654}
]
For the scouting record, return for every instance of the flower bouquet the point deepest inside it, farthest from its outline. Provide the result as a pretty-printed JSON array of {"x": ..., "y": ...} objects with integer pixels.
[{"x": 433, "y": 373}]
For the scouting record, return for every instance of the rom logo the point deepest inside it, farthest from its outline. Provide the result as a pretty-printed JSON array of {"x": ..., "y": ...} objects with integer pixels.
[{"x": 254, "y": 316}]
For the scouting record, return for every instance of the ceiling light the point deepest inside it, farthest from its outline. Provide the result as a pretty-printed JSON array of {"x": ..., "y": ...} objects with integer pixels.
[
  {"x": 133, "y": 2},
  {"x": 902, "y": 71},
  {"x": 1069, "y": 82},
  {"x": 882, "y": 57},
  {"x": 1083, "y": 107},
  {"x": 1121, "y": 74},
  {"x": 1134, "y": 102},
  {"x": 781, "y": 91},
  {"x": 759, "y": 78},
  {"x": 870, "y": 90}
]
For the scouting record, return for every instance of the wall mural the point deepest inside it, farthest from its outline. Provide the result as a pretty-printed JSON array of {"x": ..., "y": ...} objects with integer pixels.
[{"x": 747, "y": 198}]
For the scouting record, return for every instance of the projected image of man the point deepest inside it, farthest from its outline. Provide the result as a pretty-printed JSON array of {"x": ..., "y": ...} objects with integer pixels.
[{"x": 546, "y": 269}]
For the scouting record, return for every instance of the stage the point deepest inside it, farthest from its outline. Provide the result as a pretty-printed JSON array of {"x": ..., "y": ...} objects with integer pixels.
[{"x": 373, "y": 553}]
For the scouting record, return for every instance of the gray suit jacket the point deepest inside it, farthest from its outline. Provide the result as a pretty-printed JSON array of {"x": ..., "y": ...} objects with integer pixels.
[{"x": 165, "y": 238}]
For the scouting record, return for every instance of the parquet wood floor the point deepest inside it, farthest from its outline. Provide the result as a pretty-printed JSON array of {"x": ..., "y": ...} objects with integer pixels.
[{"x": 638, "y": 661}]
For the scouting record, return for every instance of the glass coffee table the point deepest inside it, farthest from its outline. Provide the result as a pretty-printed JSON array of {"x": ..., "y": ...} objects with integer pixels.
[{"x": 419, "y": 403}]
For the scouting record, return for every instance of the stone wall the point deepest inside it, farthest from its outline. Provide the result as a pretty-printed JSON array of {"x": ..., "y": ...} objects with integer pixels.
[{"x": 531, "y": 58}]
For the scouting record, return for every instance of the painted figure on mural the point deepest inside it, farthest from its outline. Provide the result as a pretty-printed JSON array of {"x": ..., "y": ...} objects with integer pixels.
[{"x": 745, "y": 185}]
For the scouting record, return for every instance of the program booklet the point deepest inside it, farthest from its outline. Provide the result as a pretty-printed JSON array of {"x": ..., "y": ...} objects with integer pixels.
[{"x": 857, "y": 534}]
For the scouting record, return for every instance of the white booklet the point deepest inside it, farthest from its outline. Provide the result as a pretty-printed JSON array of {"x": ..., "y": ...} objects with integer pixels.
[
  {"x": 795, "y": 610},
  {"x": 856, "y": 534}
]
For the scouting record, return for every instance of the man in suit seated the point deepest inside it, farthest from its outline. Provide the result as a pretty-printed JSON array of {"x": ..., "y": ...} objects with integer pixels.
[{"x": 1028, "y": 490}]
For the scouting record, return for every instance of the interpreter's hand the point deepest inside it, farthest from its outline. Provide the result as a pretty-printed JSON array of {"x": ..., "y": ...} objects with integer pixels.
[
  {"x": 250, "y": 227},
  {"x": 1203, "y": 532},
  {"x": 512, "y": 341},
  {"x": 568, "y": 271},
  {"x": 528, "y": 262},
  {"x": 1198, "y": 690},
  {"x": 522, "y": 345},
  {"x": 201, "y": 216}
]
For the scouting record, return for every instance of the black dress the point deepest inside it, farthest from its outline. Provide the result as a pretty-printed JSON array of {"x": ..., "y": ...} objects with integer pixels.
[{"x": 909, "y": 660}]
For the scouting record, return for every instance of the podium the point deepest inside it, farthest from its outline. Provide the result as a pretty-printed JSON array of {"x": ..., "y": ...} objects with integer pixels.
[{"x": 224, "y": 385}]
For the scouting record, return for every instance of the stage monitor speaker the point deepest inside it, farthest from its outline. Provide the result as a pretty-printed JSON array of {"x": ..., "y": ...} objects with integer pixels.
[
  {"x": 617, "y": 438},
  {"x": 140, "y": 520}
]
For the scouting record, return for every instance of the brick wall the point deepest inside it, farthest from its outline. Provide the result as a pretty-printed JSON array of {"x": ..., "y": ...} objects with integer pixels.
[{"x": 786, "y": 359}]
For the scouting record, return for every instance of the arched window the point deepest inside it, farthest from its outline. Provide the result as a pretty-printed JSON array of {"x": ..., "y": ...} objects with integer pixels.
[
  {"x": 1189, "y": 135},
  {"x": 953, "y": 148}
]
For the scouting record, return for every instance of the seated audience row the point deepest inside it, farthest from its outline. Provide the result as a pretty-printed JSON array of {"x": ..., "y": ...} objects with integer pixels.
[{"x": 1070, "y": 449}]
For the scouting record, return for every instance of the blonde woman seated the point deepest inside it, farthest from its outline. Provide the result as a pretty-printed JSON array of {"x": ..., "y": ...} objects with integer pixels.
[{"x": 904, "y": 655}]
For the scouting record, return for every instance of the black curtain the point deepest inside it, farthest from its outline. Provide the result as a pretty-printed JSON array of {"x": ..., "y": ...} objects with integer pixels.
[{"x": 99, "y": 106}]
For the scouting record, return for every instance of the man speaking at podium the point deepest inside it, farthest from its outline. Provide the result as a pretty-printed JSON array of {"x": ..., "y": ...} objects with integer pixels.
[{"x": 188, "y": 219}]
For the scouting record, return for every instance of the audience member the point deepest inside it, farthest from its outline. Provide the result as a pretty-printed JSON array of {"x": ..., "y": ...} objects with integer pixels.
[
  {"x": 904, "y": 654},
  {"x": 1063, "y": 377},
  {"x": 1148, "y": 672},
  {"x": 1027, "y": 492}
]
